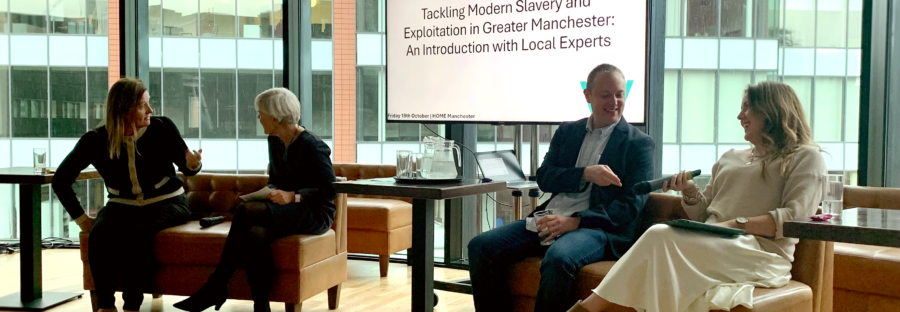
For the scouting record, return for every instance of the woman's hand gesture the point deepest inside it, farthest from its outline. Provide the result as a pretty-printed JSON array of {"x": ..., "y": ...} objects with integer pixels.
[{"x": 192, "y": 158}]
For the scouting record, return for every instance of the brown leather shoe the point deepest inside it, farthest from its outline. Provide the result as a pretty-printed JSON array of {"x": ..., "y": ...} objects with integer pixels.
[{"x": 578, "y": 307}]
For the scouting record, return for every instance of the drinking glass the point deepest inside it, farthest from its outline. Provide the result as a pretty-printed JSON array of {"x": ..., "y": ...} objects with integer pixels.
[
  {"x": 40, "y": 160},
  {"x": 416, "y": 161},
  {"x": 537, "y": 217},
  {"x": 403, "y": 163},
  {"x": 833, "y": 195}
]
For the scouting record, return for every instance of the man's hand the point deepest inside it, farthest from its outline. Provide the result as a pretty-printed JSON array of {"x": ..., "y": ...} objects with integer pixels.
[
  {"x": 601, "y": 175},
  {"x": 281, "y": 197},
  {"x": 192, "y": 158},
  {"x": 553, "y": 226},
  {"x": 87, "y": 225}
]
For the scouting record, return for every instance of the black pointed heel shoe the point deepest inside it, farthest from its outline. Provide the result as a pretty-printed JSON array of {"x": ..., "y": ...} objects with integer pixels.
[{"x": 204, "y": 298}]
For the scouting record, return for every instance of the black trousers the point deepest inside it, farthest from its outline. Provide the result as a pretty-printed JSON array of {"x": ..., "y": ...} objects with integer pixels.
[
  {"x": 121, "y": 243},
  {"x": 255, "y": 226}
]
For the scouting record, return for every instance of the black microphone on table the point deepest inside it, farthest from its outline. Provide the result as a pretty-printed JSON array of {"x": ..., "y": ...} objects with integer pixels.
[
  {"x": 652, "y": 185},
  {"x": 210, "y": 221}
]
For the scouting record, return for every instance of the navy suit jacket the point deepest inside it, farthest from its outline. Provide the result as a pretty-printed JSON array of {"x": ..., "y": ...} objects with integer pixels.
[{"x": 613, "y": 209}]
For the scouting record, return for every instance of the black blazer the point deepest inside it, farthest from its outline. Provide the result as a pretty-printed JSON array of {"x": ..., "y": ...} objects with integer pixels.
[{"x": 613, "y": 209}]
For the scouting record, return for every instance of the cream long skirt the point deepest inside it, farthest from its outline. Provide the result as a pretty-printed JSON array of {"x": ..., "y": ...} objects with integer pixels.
[{"x": 670, "y": 269}]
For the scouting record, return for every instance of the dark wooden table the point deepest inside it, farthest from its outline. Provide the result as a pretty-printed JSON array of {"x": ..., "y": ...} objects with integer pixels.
[
  {"x": 31, "y": 295},
  {"x": 868, "y": 226},
  {"x": 421, "y": 255}
]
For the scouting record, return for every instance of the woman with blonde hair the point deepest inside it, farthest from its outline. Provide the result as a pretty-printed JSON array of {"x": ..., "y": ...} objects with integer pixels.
[
  {"x": 134, "y": 153},
  {"x": 302, "y": 202},
  {"x": 779, "y": 179}
]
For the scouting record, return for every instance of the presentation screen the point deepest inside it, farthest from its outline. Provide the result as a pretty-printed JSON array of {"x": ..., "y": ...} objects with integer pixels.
[{"x": 510, "y": 61}]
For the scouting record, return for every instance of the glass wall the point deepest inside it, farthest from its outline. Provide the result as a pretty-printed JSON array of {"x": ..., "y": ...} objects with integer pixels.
[
  {"x": 208, "y": 61},
  {"x": 54, "y": 69},
  {"x": 813, "y": 46},
  {"x": 210, "y": 58}
]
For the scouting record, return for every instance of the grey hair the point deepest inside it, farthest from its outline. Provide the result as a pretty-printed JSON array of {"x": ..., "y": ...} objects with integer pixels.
[
  {"x": 602, "y": 68},
  {"x": 280, "y": 103}
]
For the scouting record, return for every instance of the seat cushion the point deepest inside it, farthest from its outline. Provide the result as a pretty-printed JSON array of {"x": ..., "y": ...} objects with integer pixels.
[
  {"x": 375, "y": 214},
  {"x": 524, "y": 276},
  {"x": 188, "y": 244},
  {"x": 867, "y": 269}
]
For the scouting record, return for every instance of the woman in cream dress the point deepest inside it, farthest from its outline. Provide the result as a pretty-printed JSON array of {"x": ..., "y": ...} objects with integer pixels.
[{"x": 779, "y": 179}]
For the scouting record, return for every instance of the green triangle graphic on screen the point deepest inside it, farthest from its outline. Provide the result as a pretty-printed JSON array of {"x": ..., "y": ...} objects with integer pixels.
[{"x": 627, "y": 90}]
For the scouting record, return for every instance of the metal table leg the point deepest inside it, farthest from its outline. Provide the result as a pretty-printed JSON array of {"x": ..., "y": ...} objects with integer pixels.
[
  {"x": 31, "y": 295},
  {"x": 422, "y": 256}
]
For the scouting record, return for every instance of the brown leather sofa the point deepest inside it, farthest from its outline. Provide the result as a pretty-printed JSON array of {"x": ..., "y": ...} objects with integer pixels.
[
  {"x": 810, "y": 290},
  {"x": 380, "y": 225},
  {"x": 307, "y": 264},
  {"x": 865, "y": 277}
]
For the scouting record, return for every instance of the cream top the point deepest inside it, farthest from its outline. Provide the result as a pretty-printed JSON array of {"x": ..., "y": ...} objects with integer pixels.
[{"x": 737, "y": 189}]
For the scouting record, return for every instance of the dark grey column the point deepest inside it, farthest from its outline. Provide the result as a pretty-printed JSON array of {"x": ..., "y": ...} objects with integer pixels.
[
  {"x": 458, "y": 233},
  {"x": 877, "y": 156},
  {"x": 298, "y": 55},
  {"x": 656, "y": 80},
  {"x": 134, "y": 59}
]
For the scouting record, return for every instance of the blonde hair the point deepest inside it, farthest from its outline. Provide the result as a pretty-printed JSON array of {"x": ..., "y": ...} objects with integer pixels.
[
  {"x": 124, "y": 97},
  {"x": 785, "y": 129},
  {"x": 280, "y": 103},
  {"x": 602, "y": 68}
]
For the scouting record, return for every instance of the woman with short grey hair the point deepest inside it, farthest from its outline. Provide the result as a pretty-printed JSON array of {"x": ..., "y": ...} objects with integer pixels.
[{"x": 301, "y": 202}]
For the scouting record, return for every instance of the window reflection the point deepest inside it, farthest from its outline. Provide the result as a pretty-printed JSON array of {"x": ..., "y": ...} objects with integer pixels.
[
  {"x": 181, "y": 100},
  {"x": 250, "y": 83},
  {"x": 97, "y": 17},
  {"x": 98, "y": 86},
  {"x": 322, "y": 119},
  {"x": 154, "y": 11},
  {"x": 68, "y": 108},
  {"x": 67, "y": 16},
  {"x": 155, "y": 88},
  {"x": 4, "y": 101},
  {"x": 217, "y": 18},
  {"x": 218, "y": 103},
  {"x": 320, "y": 15},
  {"x": 4, "y": 15},
  {"x": 179, "y": 18},
  {"x": 701, "y": 18},
  {"x": 255, "y": 18},
  {"x": 367, "y": 97},
  {"x": 277, "y": 19},
  {"x": 367, "y": 16},
  {"x": 28, "y": 16},
  {"x": 29, "y": 102}
]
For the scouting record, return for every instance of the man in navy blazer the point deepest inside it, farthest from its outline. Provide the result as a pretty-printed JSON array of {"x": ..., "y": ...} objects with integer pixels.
[{"x": 590, "y": 169}]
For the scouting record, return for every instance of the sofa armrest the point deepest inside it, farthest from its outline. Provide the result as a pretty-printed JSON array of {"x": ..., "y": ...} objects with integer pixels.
[{"x": 340, "y": 220}]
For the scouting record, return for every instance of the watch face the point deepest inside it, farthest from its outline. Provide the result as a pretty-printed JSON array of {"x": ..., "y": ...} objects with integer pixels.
[{"x": 741, "y": 220}]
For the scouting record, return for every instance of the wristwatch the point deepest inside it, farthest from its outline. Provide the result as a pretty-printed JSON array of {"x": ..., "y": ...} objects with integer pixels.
[
  {"x": 297, "y": 198},
  {"x": 741, "y": 221}
]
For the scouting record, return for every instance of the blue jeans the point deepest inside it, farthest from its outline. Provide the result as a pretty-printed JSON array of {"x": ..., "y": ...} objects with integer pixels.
[{"x": 494, "y": 250}]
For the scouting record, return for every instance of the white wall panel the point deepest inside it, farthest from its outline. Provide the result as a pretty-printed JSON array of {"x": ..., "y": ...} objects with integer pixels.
[
  {"x": 253, "y": 154},
  {"x": 218, "y": 53},
  {"x": 221, "y": 154},
  {"x": 98, "y": 51},
  {"x": 736, "y": 54},
  {"x": 255, "y": 54},
  {"x": 28, "y": 50},
  {"x": 701, "y": 53},
  {"x": 59, "y": 149},
  {"x": 767, "y": 54},
  {"x": 181, "y": 52},
  {"x": 67, "y": 51}
]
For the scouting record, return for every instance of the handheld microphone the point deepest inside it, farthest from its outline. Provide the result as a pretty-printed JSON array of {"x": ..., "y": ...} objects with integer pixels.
[
  {"x": 210, "y": 221},
  {"x": 652, "y": 185}
]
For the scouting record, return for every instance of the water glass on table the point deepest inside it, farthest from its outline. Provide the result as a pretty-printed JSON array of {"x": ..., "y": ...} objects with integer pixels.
[
  {"x": 537, "y": 217},
  {"x": 403, "y": 163},
  {"x": 40, "y": 160},
  {"x": 416, "y": 162},
  {"x": 833, "y": 195}
]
